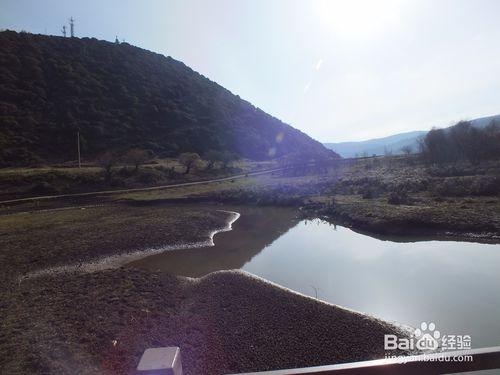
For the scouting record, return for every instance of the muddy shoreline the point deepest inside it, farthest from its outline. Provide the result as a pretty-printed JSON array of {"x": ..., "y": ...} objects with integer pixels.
[
  {"x": 121, "y": 259},
  {"x": 474, "y": 219},
  {"x": 405, "y": 231},
  {"x": 378, "y": 219},
  {"x": 100, "y": 322},
  {"x": 373, "y": 225}
]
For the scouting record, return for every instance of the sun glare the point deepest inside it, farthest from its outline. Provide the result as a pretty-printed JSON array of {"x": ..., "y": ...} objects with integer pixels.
[{"x": 358, "y": 18}]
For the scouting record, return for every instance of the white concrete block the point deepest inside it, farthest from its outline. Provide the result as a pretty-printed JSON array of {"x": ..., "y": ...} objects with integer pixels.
[{"x": 160, "y": 361}]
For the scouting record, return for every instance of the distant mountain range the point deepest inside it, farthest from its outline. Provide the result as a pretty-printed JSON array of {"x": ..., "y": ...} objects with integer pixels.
[
  {"x": 393, "y": 143},
  {"x": 119, "y": 97}
]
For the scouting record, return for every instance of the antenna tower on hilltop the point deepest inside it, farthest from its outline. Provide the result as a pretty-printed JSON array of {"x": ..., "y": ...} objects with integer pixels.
[{"x": 72, "y": 27}]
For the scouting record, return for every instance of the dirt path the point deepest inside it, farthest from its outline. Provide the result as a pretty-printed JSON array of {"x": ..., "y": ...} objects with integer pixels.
[{"x": 121, "y": 191}]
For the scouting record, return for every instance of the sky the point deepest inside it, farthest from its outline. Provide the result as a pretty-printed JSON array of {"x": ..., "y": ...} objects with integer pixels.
[{"x": 337, "y": 70}]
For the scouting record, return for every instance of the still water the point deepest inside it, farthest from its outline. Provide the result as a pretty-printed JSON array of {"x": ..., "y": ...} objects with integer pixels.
[{"x": 454, "y": 284}]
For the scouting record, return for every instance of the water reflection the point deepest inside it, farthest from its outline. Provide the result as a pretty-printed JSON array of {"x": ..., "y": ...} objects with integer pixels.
[
  {"x": 256, "y": 229},
  {"x": 454, "y": 284}
]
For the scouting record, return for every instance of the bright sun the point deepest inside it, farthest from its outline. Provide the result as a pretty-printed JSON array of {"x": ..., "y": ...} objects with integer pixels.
[{"x": 358, "y": 18}]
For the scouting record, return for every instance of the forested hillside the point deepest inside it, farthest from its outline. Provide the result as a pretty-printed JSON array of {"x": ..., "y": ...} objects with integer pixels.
[{"x": 121, "y": 97}]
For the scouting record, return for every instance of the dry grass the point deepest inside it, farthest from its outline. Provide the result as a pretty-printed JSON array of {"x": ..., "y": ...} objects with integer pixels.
[
  {"x": 459, "y": 199},
  {"x": 32, "y": 241},
  {"x": 226, "y": 322}
]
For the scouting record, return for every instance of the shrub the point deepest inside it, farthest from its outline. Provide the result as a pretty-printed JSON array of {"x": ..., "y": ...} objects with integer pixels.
[
  {"x": 452, "y": 187},
  {"x": 469, "y": 185},
  {"x": 369, "y": 193},
  {"x": 149, "y": 176},
  {"x": 398, "y": 197},
  {"x": 44, "y": 188},
  {"x": 189, "y": 160},
  {"x": 136, "y": 157},
  {"x": 486, "y": 185},
  {"x": 125, "y": 172}
]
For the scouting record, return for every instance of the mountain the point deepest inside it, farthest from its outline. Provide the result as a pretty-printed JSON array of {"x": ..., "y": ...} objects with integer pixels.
[
  {"x": 119, "y": 97},
  {"x": 377, "y": 146},
  {"x": 393, "y": 143}
]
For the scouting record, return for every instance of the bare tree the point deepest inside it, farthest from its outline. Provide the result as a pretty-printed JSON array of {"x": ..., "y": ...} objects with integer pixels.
[
  {"x": 189, "y": 159},
  {"x": 227, "y": 157},
  {"x": 213, "y": 157},
  {"x": 136, "y": 157},
  {"x": 107, "y": 161},
  {"x": 407, "y": 150}
]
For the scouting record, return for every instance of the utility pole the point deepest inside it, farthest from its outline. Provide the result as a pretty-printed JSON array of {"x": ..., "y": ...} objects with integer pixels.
[
  {"x": 72, "y": 27},
  {"x": 64, "y": 31},
  {"x": 78, "y": 145}
]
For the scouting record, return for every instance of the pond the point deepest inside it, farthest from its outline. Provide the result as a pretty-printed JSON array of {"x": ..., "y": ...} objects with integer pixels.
[{"x": 454, "y": 284}]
